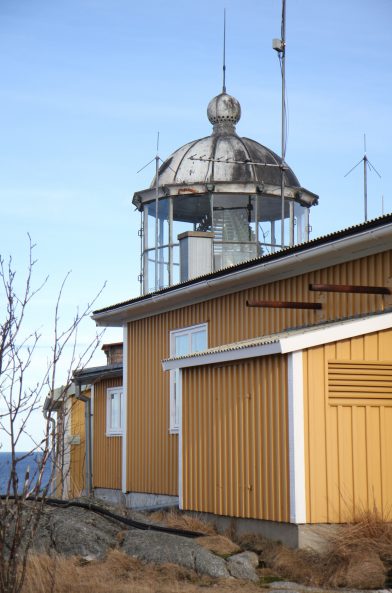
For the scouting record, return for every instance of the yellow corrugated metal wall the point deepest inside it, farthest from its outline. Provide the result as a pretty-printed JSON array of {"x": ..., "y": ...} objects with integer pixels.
[
  {"x": 235, "y": 439},
  {"x": 106, "y": 450},
  {"x": 348, "y": 427},
  {"x": 152, "y": 452},
  {"x": 78, "y": 452}
]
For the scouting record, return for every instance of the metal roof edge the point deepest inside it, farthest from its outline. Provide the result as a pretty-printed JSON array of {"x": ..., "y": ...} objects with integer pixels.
[
  {"x": 336, "y": 331},
  {"x": 301, "y": 339},
  {"x": 329, "y": 250}
]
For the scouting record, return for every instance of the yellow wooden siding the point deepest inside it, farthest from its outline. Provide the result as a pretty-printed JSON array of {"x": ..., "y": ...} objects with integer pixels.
[
  {"x": 77, "y": 452},
  {"x": 106, "y": 450},
  {"x": 348, "y": 427},
  {"x": 235, "y": 439},
  {"x": 152, "y": 452}
]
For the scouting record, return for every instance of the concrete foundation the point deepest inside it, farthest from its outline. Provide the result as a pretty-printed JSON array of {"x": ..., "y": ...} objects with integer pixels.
[
  {"x": 289, "y": 534},
  {"x": 135, "y": 500},
  {"x": 140, "y": 500},
  {"x": 115, "y": 497}
]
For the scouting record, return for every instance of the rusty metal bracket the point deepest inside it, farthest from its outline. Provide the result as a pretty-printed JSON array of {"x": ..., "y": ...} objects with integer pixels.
[
  {"x": 285, "y": 305},
  {"x": 350, "y": 288}
]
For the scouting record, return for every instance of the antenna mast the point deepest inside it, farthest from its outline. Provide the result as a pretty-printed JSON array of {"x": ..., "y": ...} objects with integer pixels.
[
  {"x": 366, "y": 164},
  {"x": 279, "y": 45},
  {"x": 156, "y": 211},
  {"x": 141, "y": 275},
  {"x": 224, "y": 51}
]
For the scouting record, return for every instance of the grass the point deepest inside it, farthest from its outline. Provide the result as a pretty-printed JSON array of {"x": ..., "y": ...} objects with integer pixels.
[
  {"x": 356, "y": 555},
  {"x": 119, "y": 573},
  {"x": 219, "y": 545},
  {"x": 179, "y": 520}
]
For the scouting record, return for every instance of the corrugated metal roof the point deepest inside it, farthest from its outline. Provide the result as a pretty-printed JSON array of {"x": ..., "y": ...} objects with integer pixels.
[
  {"x": 276, "y": 338},
  {"x": 94, "y": 374},
  {"x": 329, "y": 238}
]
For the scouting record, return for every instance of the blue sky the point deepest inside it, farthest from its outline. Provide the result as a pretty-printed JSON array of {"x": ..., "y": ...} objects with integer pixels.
[{"x": 86, "y": 84}]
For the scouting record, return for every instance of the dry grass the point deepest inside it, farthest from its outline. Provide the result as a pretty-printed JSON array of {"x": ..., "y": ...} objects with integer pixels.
[
  {"x": 219, "y": 545},
  {"x": 119, "y": 573},
  {"x": 357, "y": 555},
  {"x": 179, "y": 520}
]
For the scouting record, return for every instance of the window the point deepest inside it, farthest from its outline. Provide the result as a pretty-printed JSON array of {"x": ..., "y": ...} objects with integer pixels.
[
  {"x": 182, "y": 342},
  {"x": 114, "y": 411}
]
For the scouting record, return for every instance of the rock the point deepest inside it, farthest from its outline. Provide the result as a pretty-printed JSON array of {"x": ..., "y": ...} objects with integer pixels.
[
  {"x": 254, "y": 542},
  {"x": 218, "y": 544},
  {"x": 161, "y": 548},
  {"x": 76, "y": 532},
  {"x": 364, "y": 572},
  {"x": 242, "y": 566}
]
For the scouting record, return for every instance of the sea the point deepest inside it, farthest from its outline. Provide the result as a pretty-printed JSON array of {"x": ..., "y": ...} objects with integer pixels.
[{"x": 30, "y": 462}]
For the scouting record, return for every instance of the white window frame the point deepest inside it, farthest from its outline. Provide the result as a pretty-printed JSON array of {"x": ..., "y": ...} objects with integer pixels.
[
  {"x": 118, "y": 430},
  {"x": 175, "y": 398}
]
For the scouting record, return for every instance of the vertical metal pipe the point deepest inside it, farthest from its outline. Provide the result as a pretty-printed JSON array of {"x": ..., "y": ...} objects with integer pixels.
[
  {"x": 365, "y": 185},
  {"x": 89, "y": 473},
  {"x": 291, "y": 223},
  {"x": 87, "y": 416},
  {"x": 256, "y": 211},
  {"x": 170, "y": 210},
  {"x": 283, "y": 58},
  {"x": 156, "y": 219},
  {"x": 145, "y": 252},
  {"x": 141, "y": 231},
  {"x": 161, "y": 252}
]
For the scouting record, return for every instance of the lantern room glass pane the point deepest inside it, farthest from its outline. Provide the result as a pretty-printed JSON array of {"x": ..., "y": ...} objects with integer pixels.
[
  {"x": 269, "y": 214},
  {"x": 234, "y": 218},
  {"x": 176, "y": 264},
  {"x": 235, "y": 230},
  {"x": 191, "y": 213},
  {"x": 300, "y": 219},
  {"x": 156, "y": 276},
  {"x": 161, "y": 231}
]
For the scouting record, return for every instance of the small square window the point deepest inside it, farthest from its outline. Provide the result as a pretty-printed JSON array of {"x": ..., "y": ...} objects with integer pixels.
[{"x": 114, "y": 411}]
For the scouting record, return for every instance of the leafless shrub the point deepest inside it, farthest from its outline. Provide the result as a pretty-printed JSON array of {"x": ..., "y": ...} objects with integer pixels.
[{"x": 20, "y": 401}]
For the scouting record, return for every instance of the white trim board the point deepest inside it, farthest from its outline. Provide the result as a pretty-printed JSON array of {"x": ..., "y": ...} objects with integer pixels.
[
  {"x": 296, "y": 438},
  {"x": 299, "y": 340},
  {"x": 125, "y": 408},
  {"x": 180, "y": 461}
]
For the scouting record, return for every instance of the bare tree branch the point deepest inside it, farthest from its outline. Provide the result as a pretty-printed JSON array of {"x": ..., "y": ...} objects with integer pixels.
[{"x": 22, "y": 504}]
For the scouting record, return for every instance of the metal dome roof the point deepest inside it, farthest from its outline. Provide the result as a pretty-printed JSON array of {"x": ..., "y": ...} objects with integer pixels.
[{"x": 196, "y": 162}]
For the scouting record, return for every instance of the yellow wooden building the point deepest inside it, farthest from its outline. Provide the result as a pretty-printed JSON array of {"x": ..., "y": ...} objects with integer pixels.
[
  {"x": 89, "y": 429},
  {"x": 284, "y": 414},
  {"x": 257, "y": 365}
]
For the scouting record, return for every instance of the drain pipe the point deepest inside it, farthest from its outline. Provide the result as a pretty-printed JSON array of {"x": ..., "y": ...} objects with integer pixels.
[
  {"x": 53, "y": 482},
  {"x": 87, "y": 416}
]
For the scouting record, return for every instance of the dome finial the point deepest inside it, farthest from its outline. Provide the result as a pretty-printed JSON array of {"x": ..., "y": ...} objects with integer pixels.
[
  {"x": 224, "y": 51},
  {"x": 224, "y": 112}
]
